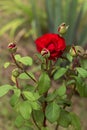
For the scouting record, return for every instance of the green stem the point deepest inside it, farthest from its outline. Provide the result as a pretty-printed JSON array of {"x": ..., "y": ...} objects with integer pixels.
[{"x": 22, "y": 68}]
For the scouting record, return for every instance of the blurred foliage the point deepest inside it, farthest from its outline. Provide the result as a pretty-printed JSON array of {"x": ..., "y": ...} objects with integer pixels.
[
  {"x": 72, "y": 13},
  {"x": 19, "y": 18},
  {"x": 35, "y": 17}
]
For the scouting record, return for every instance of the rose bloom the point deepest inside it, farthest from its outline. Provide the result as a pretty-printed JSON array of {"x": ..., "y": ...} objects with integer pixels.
[{"x": 54, "y": 43}]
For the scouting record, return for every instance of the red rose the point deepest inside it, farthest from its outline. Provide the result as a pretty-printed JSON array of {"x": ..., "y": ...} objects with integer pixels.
[{"x": 54, "y": 43}]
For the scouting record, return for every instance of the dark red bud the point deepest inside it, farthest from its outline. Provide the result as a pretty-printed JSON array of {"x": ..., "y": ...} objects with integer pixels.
[{"x": 12, "y": 47}]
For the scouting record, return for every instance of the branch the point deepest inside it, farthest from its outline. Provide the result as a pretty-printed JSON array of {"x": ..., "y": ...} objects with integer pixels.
[{"x": 22, "y": 68}]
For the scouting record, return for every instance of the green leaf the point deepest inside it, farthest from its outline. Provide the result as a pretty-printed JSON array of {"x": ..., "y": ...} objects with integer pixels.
[
  {"x": 17, "y": 57},
  {"x": 83, "y": 63},
  {"x": 60, "y": 72},
  {"x": 51, "y": 96},
  {"x": 69, "y": 57},
  {"x": 23, "y": 76},
  {"x": 6, "y": 65},
  {"x": 4, "y": 89},
  {"x": 64, "y": 119},
  {"x": 15, "y": 97},
  {"x": 24, "y": 60},
  {"x": 65, "y": 101},
  {"x": 61, "y": 90},
  {"x": 52, "y": 112},
  {"x": 38, "y": 116},
  {"x": 75, "y": 121},
  {"x": 29, "y": 87},
  {"x": 82, "y": 72},
  {"x": 19, "y": 121},
  {"x": 25, "y": 109},
  {"x": 31, "y": 96},
  {"x": 81, "y": 87},
  {"x": 35, "y": 105},
  {"x": 44, "y": 83}
]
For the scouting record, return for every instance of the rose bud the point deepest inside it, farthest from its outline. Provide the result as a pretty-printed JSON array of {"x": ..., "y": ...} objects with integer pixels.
[
  {"x": 15, "y": 72},
  {"x": 77, "y": 50},
  {"x": 73, "y": 51},
  {"x": 12, "y": 47},
  {"x": 45, "y": 53},
  {"x": 62, "y": 28}
]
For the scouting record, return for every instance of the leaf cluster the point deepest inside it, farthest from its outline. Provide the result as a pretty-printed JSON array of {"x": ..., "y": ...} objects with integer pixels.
[{"x": 41, "y": 103}]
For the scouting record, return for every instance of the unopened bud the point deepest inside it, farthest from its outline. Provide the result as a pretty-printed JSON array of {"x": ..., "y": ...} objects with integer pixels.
[
  {"x": 45, "y": 53},
  {"x": 77, "y": 50},
  {"x": 62, "y": 29},
  {"x": 12, "y": 47},
  {"x": 15, "y": 72},
  {"x": 73, "y": 51}
]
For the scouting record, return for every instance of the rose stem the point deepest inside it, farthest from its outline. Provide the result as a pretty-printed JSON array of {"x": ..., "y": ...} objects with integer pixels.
[
  {"x": 17, "y": 85},
  {"x": 44, "y": 108}
]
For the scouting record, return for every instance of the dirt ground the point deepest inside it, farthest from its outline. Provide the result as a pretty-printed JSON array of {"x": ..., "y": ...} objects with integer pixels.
[{"x": 7, "y": 114}]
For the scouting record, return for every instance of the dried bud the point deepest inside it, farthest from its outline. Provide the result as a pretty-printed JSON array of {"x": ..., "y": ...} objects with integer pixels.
[
  {"x": 62, "y": 28},
  {"x": 12, "y": 47},
  {"x": 16, "y": 72},
  {"x": 45, "y": 53}
]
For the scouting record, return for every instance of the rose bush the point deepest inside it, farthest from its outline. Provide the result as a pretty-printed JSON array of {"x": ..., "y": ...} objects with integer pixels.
[
  {"x": 54, "y": 43},
  {"x": 43, "y": 103}
]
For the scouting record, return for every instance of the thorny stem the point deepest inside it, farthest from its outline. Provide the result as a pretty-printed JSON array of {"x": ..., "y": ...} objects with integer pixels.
[{"x": 22, "y": 68}]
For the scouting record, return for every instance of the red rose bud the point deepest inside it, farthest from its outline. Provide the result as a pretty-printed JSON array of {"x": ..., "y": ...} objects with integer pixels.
[
  {"x": 12, "y": 47},
  {"x": 52, "y": 44},
  {"x": 62, "y": 28},
  {"x": 45, "y": 53}
]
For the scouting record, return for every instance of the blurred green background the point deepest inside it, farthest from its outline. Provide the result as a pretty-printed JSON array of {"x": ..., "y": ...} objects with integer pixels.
[{"x": 23, "y": 21}]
